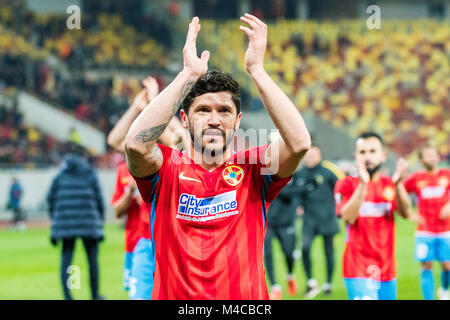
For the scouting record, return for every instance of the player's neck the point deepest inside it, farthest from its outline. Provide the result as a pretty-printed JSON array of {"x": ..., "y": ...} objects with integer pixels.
[
  {"x": 433, "y": 170},
  {"x": 209, "y": 163},
  {"x": 376, "y": 176}
]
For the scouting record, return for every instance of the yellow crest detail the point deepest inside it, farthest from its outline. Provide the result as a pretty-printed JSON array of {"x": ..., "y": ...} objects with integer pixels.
[
  {"x": 388, "y": 194},
  {"x": 233, "y": 175}
]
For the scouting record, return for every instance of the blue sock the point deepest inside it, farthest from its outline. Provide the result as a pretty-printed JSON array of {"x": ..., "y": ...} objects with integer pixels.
[
  {"x": 427, "y": 284},
  {"x": 445, "y": 279}
]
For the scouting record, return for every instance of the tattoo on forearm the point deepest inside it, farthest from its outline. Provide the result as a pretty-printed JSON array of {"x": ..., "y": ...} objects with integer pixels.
[
  {"x": 154, "y": 133},
  {"x": 151, "y": 134},
  {"x": 184, "y": 92}
]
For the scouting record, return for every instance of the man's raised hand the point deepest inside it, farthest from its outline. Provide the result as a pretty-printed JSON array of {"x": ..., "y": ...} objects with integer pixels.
[
  {"x": 191, "y": 62},
  {"x": 140, "y": 101},
  {"x": 400, "y": 171},
  {"x": 363, "y": 174},
  {"x": 254, "y": 57},
  {"x": 152, "y": 88}
]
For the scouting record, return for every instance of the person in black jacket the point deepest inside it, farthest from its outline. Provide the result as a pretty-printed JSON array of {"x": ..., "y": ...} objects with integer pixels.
[
  {"x": 315, "y": 184},
  {"x": 281, "y": 224},
  {"x": 77, "y": 211}
]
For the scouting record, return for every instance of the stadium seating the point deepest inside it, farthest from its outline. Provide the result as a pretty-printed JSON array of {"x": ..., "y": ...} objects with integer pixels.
[
  {"x": 394, "y": 82},
  {"x": 24, "y": 146}
]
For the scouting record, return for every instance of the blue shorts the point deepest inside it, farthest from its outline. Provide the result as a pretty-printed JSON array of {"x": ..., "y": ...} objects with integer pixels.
[
  {"x": 141, "y": 280},
  {"x": 369, "y": 289},
  {"x": 432, "y": 247},
  {"x": 127, "y": 269}
]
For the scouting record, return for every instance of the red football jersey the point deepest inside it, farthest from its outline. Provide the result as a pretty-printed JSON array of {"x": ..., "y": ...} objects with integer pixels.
[
  {"x": 432, "y": 192},
  {"x": 133, "y": 214},
  {"x": 370, "y": 242},
  {"x": 208, "y": 227},
  {"x": 144, "y": 221}
]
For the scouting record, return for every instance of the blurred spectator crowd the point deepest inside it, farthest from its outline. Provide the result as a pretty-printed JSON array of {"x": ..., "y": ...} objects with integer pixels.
[
  {"x": 25, "y": 146},
  {"x": 394, "y": 81}
]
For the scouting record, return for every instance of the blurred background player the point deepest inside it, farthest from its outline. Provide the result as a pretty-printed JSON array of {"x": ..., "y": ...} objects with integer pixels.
[
  {"x": 367, "y": 204},
  {"x": 15, "y": 197},
  {"x": 281, "y": 224},
  {"x": 76, "y": 210},
  {"x": 431, "y": 187},
  {"x": 126, "y": 200},
  {"x": 315, "y": 190},
  {"x": 138, "y": 268}
]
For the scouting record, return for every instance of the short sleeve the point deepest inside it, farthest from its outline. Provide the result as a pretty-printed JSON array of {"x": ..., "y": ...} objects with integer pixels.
[
  {"x": 410, "y": 183},
  {"x": 343, "y": 191},
  {"x": 120, "y": 187},
  {"x": 272, "y": 184},
  {"x": 448, "y": 181},
  {"x": 146, "y": 185}
]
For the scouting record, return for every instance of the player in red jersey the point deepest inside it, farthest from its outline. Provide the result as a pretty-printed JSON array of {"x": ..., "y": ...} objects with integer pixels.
[
  {"x": 138, "y": 271},
  {"x": 126, "y": 202},
  {"x": 432, "y": 190},
  {"x": 367, "y": 204},
  {"x": 209, "y": 205}
]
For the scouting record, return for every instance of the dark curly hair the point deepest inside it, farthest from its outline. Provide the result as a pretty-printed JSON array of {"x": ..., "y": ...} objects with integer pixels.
[
  {"x": 371, "y": 134},
  {"x": 213, "y": 81}
]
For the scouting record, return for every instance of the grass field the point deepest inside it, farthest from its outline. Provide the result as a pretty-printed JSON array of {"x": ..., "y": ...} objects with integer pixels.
[{"x": 29, "y": 265}]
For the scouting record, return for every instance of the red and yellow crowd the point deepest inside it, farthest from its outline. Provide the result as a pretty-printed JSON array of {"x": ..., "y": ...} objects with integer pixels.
[{"x": 394, "y": 80}]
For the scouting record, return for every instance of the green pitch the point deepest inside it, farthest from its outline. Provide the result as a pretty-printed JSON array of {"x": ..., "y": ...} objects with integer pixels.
[{"x": 29, "y": 266}]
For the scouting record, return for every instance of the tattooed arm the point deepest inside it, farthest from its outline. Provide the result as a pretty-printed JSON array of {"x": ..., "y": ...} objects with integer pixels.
[{"x": 143, "y": 155}]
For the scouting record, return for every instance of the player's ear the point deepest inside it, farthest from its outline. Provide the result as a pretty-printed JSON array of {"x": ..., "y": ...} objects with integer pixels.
[
  {"x": 238, "y": 121},
  {"x": 184, "y": 119}
]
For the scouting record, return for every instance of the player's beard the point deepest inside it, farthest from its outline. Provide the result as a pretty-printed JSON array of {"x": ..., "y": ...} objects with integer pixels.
[
  {"x": 197, "y": 141},
  {"x": 372, "y": 171},
  {"x": 428, "y": 167}
]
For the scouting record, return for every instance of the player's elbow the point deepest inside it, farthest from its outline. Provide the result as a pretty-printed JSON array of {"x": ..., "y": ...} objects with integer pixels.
[
  {"x": 348, "y": 218},
  {"x": 111, "y": 141},
  {"x": 405, "y": 214},
  {"x": 133, "y": 148},
  {"x": 114, "y": 144},
  {"x": 302, "y": 146},
  {"x": 118, "y": 212}
]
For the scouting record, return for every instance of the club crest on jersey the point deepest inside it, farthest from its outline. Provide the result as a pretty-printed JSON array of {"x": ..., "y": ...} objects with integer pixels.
[
  {"x": 388, "y": 194},
  {"x": 233, "y": 175},
  {"x": 443, "y": 182},
  {"x": 125, "y": 180},
  {"x": 421, "y": 184}
]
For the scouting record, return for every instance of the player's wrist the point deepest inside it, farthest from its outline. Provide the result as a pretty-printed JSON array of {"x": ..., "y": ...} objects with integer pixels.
[
  {"x": 191, "y": 75},
  {"x": 129, "y": 190},
  {"x": 362, "y": 183},
  {"x": 256, "y": 71},
  {"x": 398, "y": 183},
  {"x": 137, "y": 107}
]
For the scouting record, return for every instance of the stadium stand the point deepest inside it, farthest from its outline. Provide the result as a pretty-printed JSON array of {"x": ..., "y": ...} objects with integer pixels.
[
  {"x": 354, "y": 78},
  {"x": 349, "y": 76}
]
